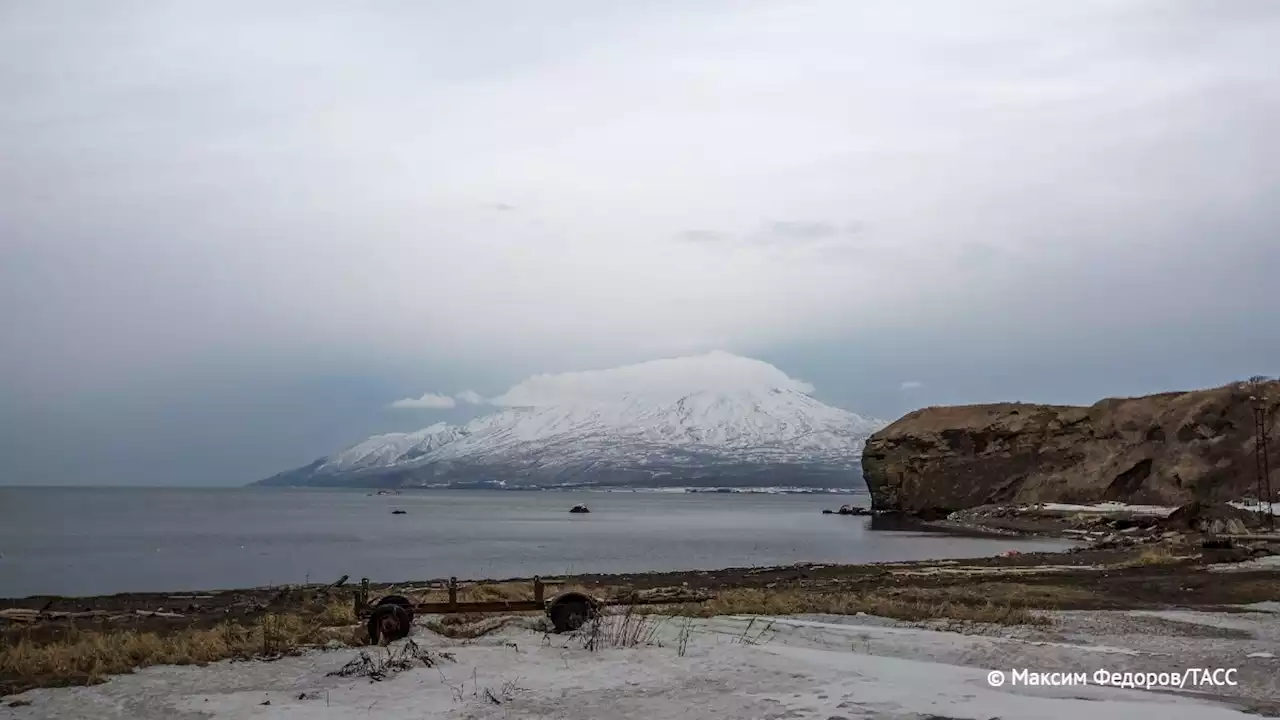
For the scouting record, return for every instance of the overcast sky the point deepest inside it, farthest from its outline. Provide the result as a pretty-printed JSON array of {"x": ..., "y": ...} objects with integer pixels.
[{"x": 233, "y": 233}]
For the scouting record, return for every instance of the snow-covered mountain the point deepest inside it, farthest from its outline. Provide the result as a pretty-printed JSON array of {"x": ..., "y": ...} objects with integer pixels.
[{"x": 715, "y": 419}]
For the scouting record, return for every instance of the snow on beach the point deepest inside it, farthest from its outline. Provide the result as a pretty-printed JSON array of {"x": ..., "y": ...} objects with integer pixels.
[
  {"x": 1257, "y": 507},
  {"x": 730, "y": 667},
  {"x": 1109, "y": 507},
  {"x": 1160, "y": 510}
]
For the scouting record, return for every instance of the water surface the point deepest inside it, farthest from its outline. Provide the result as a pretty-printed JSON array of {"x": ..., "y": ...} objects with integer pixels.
[{"x": 91, "y": 541}]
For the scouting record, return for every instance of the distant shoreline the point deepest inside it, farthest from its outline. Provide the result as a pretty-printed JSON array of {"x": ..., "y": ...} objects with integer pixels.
[{"x": 693, "y": 489}]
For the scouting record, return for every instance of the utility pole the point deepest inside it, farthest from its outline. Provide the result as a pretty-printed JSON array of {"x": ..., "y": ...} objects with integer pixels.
[
  {"x": 1264, "y": 468},
  {"x": 1260, "y": 448}
]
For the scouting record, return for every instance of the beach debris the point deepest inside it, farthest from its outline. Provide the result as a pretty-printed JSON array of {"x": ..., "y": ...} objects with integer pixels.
[
  {"x": 1211, "y": 519},
  {"x": 157, "y": 613},
  {"x": 378, "y": 666},
  {"x": 29, "y": 615}
]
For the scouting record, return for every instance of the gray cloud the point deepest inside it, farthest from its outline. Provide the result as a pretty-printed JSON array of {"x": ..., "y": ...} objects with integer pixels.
[
  {"x": 471, "y": 397},
  {"x": 799, "y": 243},
  {"x": 798, "y": 231},
  {"x": 244, "y": 195},
  {"x": 781, "y": 233},
  {"x": 427, "y": 401},
  {"x": 705, "y": 236}
]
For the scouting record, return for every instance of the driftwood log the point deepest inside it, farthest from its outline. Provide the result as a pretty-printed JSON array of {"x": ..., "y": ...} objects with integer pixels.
[{"x": 29, "y": 615}]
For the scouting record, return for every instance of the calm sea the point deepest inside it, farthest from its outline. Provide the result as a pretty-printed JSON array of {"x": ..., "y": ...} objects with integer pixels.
[{"x": 82, "y": 541}]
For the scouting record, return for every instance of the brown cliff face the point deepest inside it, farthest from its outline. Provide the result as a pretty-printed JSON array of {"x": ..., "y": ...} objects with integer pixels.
[{"x": 1164, "y": 449}]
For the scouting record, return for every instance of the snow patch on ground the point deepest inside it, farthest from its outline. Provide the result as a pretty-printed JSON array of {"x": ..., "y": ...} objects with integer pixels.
[
  {"x": 1257, "y": 507},
  {"x": 797, "y": 667},
  {"x": 1109, "y": 507},
  {"x": 1270, "y": 562},
  {"x": 1207, "y": 619}
]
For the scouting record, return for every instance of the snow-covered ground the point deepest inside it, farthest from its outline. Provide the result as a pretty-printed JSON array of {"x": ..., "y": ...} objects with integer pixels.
[
  {"x": 1272, "y": 508},
  {"x": 798, "y": 667},
  {"x": 1161, "y": 510},
  {"x": 1267, "y": 562},
  {"x": 1109, "y": 507}
]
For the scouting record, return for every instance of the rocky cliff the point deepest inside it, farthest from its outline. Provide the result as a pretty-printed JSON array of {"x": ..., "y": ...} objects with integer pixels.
[{"x": 1162, "y": 449}]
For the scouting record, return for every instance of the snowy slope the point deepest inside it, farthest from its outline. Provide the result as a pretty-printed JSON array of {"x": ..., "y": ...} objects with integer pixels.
[{"x": 662, "y": 422}]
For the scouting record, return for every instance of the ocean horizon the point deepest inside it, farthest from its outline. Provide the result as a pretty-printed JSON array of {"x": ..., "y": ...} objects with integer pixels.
[{"x": 79, "y": 541}]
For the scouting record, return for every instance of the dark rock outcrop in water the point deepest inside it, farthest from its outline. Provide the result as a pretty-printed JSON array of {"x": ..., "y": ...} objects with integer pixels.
[{"x": 1166, "y": 449}]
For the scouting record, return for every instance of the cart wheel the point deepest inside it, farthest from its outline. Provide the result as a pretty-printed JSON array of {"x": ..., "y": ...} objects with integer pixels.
[
  {"x": 400, "y": 600},
  {"x": 568, "y": 612},
  {"x": 388, "y": 622}
]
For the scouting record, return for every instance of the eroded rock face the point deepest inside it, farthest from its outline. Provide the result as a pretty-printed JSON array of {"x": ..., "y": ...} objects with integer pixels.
[{"x": 1165, "y": 449}]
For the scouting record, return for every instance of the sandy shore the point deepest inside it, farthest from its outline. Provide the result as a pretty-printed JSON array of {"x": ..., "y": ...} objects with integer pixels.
[
  {"x": 1163, "y": 602},
  {"x": 799, "y": 667}
]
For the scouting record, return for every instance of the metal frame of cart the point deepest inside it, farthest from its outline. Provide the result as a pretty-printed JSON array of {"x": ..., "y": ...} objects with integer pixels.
[{"x": 391, "y": 616}]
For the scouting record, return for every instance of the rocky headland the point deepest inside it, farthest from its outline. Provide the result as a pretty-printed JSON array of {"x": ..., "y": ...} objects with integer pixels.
[{"x": 1168, "y": 450}]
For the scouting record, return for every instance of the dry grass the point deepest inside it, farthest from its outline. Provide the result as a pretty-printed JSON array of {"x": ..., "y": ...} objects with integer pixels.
[
  {"x": 79, "y": 656},
  {"x": 337, "y": 611},
  {"x": 622, "y": 630},
  {"x": 496, "y": 592},
  {"x": 1001, "y": 603},
  {"x": 1153, "y": 555},
  {"x": 1004, "y": 603}
]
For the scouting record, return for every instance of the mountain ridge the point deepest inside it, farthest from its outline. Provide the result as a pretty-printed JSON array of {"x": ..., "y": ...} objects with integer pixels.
[{"x": 650, "y": 424}]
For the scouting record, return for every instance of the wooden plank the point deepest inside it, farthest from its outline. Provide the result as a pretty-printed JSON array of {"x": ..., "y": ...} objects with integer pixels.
[
  {"x": 487, "y": 606},
  {"x": 442, "y": 608},
  {"x": 657, "y": 600}
]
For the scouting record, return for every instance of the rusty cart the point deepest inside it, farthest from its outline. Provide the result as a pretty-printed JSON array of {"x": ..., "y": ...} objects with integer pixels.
[{"x": 390, "y": 617}]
